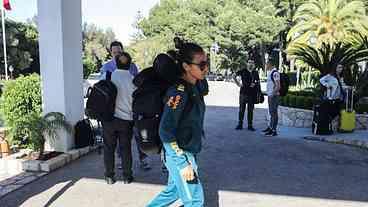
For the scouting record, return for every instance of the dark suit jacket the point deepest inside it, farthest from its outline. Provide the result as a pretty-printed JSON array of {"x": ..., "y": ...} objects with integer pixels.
[{"x": 248, "y": 78}]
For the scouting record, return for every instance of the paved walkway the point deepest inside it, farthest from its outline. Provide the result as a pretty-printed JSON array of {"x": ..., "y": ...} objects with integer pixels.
[{"x": 238, "y": 168}]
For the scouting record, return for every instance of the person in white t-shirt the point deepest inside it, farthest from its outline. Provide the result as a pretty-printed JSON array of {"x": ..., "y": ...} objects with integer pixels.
[
  {"x": 273, "y": 93},
  {"x": 333, "y": 93},
  {"x": 121, "y": 127}
]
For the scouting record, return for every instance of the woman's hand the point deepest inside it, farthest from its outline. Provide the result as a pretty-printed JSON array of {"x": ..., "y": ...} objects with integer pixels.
[{"x": 188, "y": 173}]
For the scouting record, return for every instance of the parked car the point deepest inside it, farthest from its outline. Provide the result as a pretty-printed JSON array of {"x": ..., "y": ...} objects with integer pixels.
[
  {"x": 211, "y": 77},
  {"x": 220, "y": 77},
  {"x": 90, "y": 81}
]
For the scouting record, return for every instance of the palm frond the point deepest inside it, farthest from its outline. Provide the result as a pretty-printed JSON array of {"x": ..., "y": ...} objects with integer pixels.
[
  {"x": 54, "y": 121},
  {"x": 329, "y": 55}
]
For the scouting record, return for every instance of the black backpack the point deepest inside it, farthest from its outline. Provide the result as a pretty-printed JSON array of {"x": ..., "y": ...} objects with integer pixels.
[
  {"x": 83, "y": 135},
  {"x": 101, "y": 98},
  {"x": 148, "y": 101},
  {"x": 284, "y": 83}
]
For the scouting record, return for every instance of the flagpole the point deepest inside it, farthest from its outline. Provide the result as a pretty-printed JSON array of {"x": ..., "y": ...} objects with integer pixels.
[{"x": 4, "y": 41}]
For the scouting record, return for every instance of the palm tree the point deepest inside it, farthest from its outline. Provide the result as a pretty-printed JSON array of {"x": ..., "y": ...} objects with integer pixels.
[
  {"x": 328, "y": 56},
  {"x": 358, "y": 40},
  {"x": 329, "y": 21},
  {"x": 39, "y": 128}
]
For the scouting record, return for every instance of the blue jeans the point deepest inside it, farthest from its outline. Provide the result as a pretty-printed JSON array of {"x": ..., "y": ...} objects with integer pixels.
[
  {"x": 273, "y": 104},
  {"x": 177, "y": 188}
]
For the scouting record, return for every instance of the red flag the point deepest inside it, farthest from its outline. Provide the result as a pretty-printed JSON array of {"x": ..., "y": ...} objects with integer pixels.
[{"x": 6, "y": 4}]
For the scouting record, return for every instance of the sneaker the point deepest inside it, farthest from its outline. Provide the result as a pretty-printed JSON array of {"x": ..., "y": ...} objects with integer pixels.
[
  {"x": 239, "y": 127},
  {"x": 267, "y": 130},
  {"x": 128, "y": 179},
  {"x": 144, "y": 164},
  {"x": 110, "y": 180},
  {"x": 250, "y": 128},
  {"x": 271, "y": 133}
]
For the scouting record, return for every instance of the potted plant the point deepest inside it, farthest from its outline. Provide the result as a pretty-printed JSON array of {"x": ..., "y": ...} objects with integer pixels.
[{"x": 39, "y": 128}]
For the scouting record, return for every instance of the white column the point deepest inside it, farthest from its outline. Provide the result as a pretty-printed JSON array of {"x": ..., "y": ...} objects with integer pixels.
[{"x": 60, "y": 29}]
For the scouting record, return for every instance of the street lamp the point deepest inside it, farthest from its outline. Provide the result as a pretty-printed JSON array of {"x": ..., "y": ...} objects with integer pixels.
[{"x": 214, "y": 48}]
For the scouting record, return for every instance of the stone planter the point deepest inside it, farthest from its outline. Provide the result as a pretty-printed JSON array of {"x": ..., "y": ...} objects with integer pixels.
[
  {"x": 12, "y": 165},
  {"x": 301, "y": 118},
  {"x": 294, "y": 117}
]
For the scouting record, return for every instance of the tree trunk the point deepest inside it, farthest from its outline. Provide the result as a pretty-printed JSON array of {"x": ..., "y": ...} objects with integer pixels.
[
  {"x": 298, "y": 76},
  {"x": 42, "y": 148},
  {"x": 309, "y": 76}
]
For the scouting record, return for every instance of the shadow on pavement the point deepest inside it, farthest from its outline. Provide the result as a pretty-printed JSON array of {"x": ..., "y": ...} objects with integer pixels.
[{"x": 239, "y": 162}]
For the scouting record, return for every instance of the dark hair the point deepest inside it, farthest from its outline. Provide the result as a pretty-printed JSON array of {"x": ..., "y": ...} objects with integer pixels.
[
  {"x": 120, "y": 65},
  {"x": 117, "y": 44},
  {"x": 186, "y": 54},
  {"x": 274, "y": 61},
  {"x": 172, "y": 54}
]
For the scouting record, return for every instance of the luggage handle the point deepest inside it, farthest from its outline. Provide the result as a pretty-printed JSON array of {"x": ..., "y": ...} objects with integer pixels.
[{"x": 347, "y": 90}]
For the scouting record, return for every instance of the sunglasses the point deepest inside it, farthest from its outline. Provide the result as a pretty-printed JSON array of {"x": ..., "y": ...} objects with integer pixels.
[{"x": 202, "y": 65}]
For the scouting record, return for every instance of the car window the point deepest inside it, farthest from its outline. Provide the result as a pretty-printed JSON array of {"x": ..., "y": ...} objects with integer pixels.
[{"x": 94, "y": 76}]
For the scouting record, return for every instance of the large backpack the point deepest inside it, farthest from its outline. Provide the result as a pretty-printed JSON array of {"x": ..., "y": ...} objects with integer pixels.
[
  {"x": 284, "y": 83},
  {"x": 148, "y": 101},
  {"x": 101, "y": 98},
  {"x": 83, "y": 134}
]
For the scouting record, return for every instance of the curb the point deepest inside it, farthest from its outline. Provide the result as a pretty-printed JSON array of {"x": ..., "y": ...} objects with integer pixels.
[{"x": 353, "y": 142}]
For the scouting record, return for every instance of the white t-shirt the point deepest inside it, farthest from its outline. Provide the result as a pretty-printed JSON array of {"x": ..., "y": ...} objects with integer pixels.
[
  {"x": 123, "y": 81},
  {"x": 333, "y": 91},
  {"x": 270, "y": 82}
]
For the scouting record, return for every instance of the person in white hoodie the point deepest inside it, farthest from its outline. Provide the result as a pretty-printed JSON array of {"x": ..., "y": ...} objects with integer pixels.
[{"x": 121, "y": 127}]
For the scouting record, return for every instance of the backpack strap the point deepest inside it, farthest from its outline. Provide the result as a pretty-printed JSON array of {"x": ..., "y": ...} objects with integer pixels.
[
  {"x": 273, "y": 72},
  {"x": 108, "y": 75}
]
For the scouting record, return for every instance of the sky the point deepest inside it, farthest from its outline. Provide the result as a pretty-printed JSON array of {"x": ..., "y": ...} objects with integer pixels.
[{"x": 117, "y": 14}]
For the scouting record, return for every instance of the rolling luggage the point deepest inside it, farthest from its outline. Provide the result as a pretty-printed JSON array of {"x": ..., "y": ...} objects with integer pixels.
[
  {"x": 347, "y": 115},
  {"x": 321, "y": 123}
]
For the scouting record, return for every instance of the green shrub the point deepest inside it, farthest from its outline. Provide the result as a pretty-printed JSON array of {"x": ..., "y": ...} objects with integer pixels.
[
  {"x": 299, "y": 102},
  {"x": 286, "y": 100},
  {"x": 292, "y": 101},
  {"x": 302, "y": 93},
  {"x": 282, "y": 100},
  {"x": 309, "y": 102},
  {"x": 21, "y": 101},
  {"x": 89, "y": 67}
]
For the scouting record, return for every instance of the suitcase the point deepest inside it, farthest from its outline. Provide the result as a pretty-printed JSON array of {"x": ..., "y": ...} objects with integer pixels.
[
  {"x": 347, "y": 115},
  {"x": 321, "y": 123}
]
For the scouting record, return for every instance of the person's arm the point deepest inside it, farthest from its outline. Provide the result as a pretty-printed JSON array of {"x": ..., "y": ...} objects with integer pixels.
[
  {"x": 169, "y": 124},
  {"x": 258, "y": 82},
  {"x": 108, "y": 66},
  {"x": 325, "y": 81},
  {"x": 133, "y": 69},
  {"x": 236, "y": 80},
  {"x": 277, "y": 85}
]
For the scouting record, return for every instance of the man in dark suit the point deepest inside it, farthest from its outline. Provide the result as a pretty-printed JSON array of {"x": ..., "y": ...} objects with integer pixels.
[{"x": 249, "y": 88}]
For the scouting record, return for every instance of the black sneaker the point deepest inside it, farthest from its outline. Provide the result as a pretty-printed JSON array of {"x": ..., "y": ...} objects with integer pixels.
[
  {"x": 267, "y": 130},
  {"x": 250, "y": 128},
  {"x": 110, "y": 180},
  {"x": 128, "y": 179},
  {"x": 239, "y": 127},
  {"x": 271, "y": 133}
]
